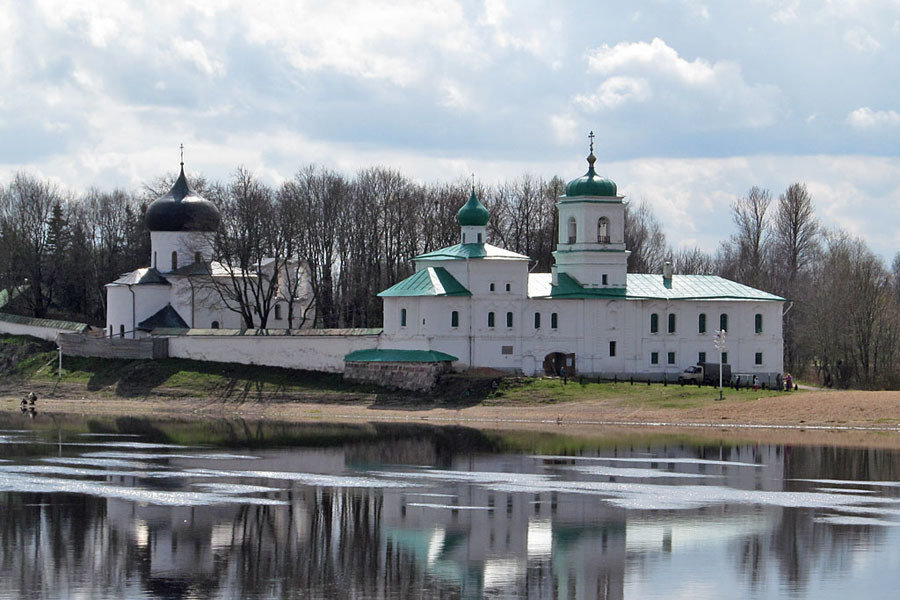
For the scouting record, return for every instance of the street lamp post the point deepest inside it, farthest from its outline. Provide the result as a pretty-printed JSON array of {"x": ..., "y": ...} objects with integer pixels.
[{"x": 719, "y": 342}]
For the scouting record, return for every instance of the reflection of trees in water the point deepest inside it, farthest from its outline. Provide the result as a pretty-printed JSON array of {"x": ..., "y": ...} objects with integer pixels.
[{"x": 800, "y": 545}]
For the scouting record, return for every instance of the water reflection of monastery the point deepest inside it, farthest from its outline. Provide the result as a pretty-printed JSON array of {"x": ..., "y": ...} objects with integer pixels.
[{"x": 451, "y": 534}]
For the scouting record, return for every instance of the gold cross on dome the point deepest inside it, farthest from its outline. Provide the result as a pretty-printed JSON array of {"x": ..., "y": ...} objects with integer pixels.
[
  {"x": 182, "y": 154},
  {"x": 591, "y": 135}
]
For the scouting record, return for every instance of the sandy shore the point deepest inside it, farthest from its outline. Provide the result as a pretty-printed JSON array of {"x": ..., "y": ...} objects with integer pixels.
[{"x": 845, "y": 417}]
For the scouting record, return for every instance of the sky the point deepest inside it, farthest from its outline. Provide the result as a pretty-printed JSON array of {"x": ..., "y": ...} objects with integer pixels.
[{"x": 692, "y": 101}]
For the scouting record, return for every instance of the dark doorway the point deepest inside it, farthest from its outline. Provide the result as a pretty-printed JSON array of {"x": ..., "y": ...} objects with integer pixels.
[{"x": 555, "y": 361}]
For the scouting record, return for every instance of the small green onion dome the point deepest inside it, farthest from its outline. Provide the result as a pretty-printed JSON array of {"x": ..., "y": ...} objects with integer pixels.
[
  {"x": 473, "y": 212},
  {"x": 591, "y": 184}
]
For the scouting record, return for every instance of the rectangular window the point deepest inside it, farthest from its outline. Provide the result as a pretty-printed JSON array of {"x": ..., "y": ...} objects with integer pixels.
[
  {"x": 554, "y": 321},
  {"x": 654, "y": 358},
  {"x": 537, "y": 320},
  {"x": 701, "y": 358},
  {"x": 701, "y": 323},
  {"x": 508, "y": 287},
  {"x": 402, "y": 317},
  {"x": 506, "y": 350},
  {"x": 723, "y": 321},
  {"x": 603, "y": 279},
  {"x": 671, "y": 322},
  {"x": 670, "y": 358},
  {"x": 492, "y": 287},
  {"x": 490, "y": 319},
  {"x": 654, "y": 323},
  {"x": 454, "y": 319},
  {"x": 757, "y": 322},
  {"x": 724, "y": 358},
  {"x": 509, "y": 320},
  {"x": 758, "y": 359},
  {"x": 612, "y": 349}
]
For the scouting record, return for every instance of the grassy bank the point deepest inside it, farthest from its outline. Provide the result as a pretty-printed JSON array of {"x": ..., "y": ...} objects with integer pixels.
[{"x": 31, "y": 362}]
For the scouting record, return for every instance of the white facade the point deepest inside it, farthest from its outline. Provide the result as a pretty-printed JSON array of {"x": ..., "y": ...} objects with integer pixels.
[{"x": 588, "y": 314}]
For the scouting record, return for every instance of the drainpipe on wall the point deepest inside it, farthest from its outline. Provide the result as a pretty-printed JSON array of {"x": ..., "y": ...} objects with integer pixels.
[
  {"x": 469, "y": 284},
  {"x": 133, "y": 310}
]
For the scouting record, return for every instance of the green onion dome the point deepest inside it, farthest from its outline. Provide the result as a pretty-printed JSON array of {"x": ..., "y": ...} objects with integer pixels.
[
  {"x": 591, "y": 184},
  {"x": 473, "y": 212}
]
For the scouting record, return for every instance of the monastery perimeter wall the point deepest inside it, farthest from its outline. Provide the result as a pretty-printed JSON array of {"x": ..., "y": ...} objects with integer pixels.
[
  {"x": 45, "y": 329},
  {"x": 308, "y": 349},
  {"x": 74, "y": 344}
]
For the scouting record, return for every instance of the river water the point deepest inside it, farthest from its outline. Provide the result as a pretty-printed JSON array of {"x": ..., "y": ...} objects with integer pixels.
[{"x": 133, "y": 508}]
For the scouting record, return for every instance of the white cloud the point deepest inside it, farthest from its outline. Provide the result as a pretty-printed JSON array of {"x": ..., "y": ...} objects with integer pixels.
[
  {"x": 615, "y": 92},
  {"x": 564, "y": 128},
  {"x": 861, "y": 40},
  {"x": 704, "y": 89},
  {"x": 195, "y": 52},
  {"x": 866, "y": 118},
  {"x": 697, "y": 8}
]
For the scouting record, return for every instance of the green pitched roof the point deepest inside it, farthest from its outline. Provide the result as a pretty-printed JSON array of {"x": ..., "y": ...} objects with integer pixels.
[
  {"x": 388, "y": 355},
  {"x": 51, "y": 323},
  {"x": 469, "y": 251},
  {"x": 651, "y": 287},
  {"x": 431, "y": 281}
]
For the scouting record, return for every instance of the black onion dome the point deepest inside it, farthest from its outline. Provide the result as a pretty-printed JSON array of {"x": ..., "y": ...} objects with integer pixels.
[{"x": 182, "y": 209}]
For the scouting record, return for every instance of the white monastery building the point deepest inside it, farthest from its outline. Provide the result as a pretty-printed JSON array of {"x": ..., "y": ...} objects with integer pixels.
[
  {"x": 468, "y": 305},
  {"x": 481, "y": 304},
  {"x": 178, "y": 290}
]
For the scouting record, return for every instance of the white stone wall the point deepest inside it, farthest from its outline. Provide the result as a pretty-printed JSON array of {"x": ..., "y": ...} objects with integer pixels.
[
  {"x": 45, "y": 333},
  {"x": 185, "y": 243},
  {"x": 147, "y": 300},
  {"x": 309, "y": 352}
]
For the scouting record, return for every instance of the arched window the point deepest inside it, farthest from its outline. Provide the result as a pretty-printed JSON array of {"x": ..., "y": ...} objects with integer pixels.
[
  {"x": 215, "y": 325},
  {"x": 701, "y": 323},
  {"x": 509, "y": 319},
  {"x": 554, "y": 321},
  {"x": 603, "y": 230},
  {"x": 278, "y": 312},
  {"x": 671, "y": 322},
  {"x": 479, "y": 239},
  {"x": 723, "y": 321},
  {"x": 654, "y": 323},
  {"x": 174, "y": 260},
  {"x": 573, "y": 230},
  {"x": 490, "y": 319},
  {"x": 757, "y": 323},
  {"x": 537, "y": 320},
  {"x": 402, "y": 317},
  {"x": 454, "y": 319}
]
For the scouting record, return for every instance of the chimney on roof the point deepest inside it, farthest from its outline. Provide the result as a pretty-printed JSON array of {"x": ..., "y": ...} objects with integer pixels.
[{"x": 668, "y": 269}]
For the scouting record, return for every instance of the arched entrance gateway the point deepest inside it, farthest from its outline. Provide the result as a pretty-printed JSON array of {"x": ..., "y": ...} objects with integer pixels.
[{"x": 555, "y": 361}]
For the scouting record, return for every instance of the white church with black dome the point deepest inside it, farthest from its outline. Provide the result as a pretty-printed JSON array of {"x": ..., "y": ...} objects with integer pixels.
[{"x": 176, "y": 291}]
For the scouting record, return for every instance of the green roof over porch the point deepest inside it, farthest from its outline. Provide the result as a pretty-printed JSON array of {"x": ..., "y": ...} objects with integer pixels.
[
  {"x": 432, "y": 281},
  {"x": 388, "y": 355}
]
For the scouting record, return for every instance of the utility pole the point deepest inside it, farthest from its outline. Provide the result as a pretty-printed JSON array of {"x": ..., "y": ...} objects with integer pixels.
[{"x": 719, "y": 343}]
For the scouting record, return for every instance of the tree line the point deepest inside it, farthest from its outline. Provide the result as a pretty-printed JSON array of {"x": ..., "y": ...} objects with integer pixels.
[{"x": 357, "y": 235}]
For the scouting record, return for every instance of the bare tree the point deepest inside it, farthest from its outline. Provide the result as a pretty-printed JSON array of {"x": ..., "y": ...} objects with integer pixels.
[
  {"x": 644, "y": 238},
  {"x": 752, "y": 238}
]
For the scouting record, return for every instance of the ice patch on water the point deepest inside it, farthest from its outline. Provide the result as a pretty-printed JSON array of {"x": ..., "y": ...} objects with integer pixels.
[
  {"x": 30, "y": 483},
  {"x": 101, "y": 473},
  {"x": 427, "y": 495},
  {"x": 855, "y": 521},
  {"x": 316, "y": 479},
  {"x": 645, "y": 496},
  {"x": 448, "y": 506},
  {"x": 651, "y": 459},
  {"x": 109, "y": 434},
  {"x": 98, "y": 462},
  {"x": 844, "y": 490},
  {"x": 850, "y": 482},
  {"x": 236, "y": 488},
  {"x": 134, "y": 445},
  {"x": 164, "y": 455},
  {"x": 634, "y": 473}
]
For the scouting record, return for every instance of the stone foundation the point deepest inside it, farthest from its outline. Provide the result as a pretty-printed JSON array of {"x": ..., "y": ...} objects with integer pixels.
[{"x": 413, "y": 376}]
